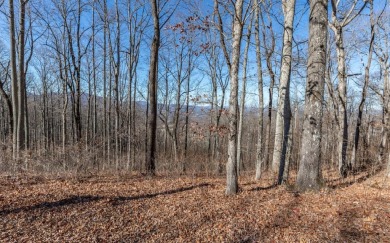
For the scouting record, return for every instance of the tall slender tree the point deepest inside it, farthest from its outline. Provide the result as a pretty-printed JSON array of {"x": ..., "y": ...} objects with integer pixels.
[
  {"x": 283, "y": 114},
  {"x": 14, "y": 78},
  {"x": 243, "y": 95},
  {"x": 233, "y": 62},
  {"x": 150, "y": 160},
  {"x": 355, "y": 145},
  {"x": 268, "y": 34},
  {"x": 337, "y": 25},
  {"x": 259, "y": 149}
]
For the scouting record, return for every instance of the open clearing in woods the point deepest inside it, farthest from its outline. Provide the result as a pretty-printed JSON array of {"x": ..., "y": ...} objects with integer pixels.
[{"x": 134, "y": 208}]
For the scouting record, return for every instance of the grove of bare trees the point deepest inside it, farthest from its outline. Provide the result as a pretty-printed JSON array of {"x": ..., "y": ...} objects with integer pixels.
[{"x": 285, "y": 88}]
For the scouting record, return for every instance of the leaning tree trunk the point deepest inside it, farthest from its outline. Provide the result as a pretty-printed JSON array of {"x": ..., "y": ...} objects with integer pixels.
[
  {"x": 283, "y": 114},
  {"x": 309, "y": 169}
]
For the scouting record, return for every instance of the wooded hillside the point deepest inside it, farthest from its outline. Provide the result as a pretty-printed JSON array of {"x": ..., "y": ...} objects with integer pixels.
[{"x": 127, "y": 114}]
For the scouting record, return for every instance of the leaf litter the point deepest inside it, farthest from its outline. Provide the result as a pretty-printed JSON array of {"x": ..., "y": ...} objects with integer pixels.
[{"x": 131, "y": 208}]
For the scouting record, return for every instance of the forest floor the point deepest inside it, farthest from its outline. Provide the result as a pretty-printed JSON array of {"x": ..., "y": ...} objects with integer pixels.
[{"x": 120, "y": 208}]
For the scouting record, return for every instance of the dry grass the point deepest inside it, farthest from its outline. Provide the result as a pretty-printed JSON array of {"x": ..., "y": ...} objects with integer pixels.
[{"x": 133, "y": 208}]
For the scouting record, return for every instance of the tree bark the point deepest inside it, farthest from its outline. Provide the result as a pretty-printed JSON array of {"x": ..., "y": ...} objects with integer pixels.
[
  {"x": 233, "y": 63},
  {"x": 8, "y": 101},
  {"x": 14, "y": 80},
  {"x": 283, "y": 114},
  {"x": 150, "y": 160},
  {"x": 242, "y": 102},
  {"x": 342, "y": 92},
  {"x": 309, "y": 169},
  {"x": 259, "y": 149},
  {"x": 384, "y": 146},
  {"x": 231, "y": 166}
]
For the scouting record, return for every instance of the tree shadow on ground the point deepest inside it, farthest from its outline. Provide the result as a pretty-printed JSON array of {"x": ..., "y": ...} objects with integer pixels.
[
  {"x": 117, "y": 200},
  {"x": 74, "y": 200},
  {"x": 357, "y": 178},
  {"x": 50, "y": 205},
  {"x": 263, "y": 188}
]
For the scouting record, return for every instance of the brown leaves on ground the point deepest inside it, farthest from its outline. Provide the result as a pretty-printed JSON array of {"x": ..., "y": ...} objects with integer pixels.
[{"x": 161, "y": 209}]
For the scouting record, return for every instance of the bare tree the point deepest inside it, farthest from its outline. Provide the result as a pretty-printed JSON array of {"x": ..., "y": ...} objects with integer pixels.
[
  {"x": 259, "y": 149},
  {"x": 150, "y": 159},
  {"x": 136, "y": 22},
  {"x": 283, "y": 115},
  {"x": 4, "y": 78},
  {"x": 243, "y": 94},
  {"x": 233, "y": 65},
  {"x": 365, "y": 85},
  {"x": 219, "y": 81},
  {"x": 381, "y": 49},
  {"x": 115, "y": 60},
  {"x": 309, "y": 169},
  {"x": 337, "y": 25},
  {"x": 18, "y": 76},
  {"x": 14, "y": 80},
  {"x": 269, "y": 48}
]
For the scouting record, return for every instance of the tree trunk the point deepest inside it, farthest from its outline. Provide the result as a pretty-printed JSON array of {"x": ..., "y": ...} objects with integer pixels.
[
  {"x": 105, "y": 135},
  {"x": 259, "y": 149},
  {"x": 384, "y": 147},
  {"x": 283, "y": 179},
  {"x": 269, "y": 51},
  {"x": 14, "y": 80},
  {"x": 289, "y": 150},
  {"x": 231, "y": 166},
  {"x": 152, "y": 117},
  {"x": 177, "y": 112},
  {"x": 89, "y": 108},
  {"x": 184, "y": 163},
  {"x": 8, "y": 103},
  {"x": 309, "y": 169},
  {"x": 337, "y": 25},
  {"x": 77, "y": 67},
  {"x": 242, "y": 103},
  {"x": 342, "y": 92},
  {"x": 283, "y": 114},
  {"x": 364, "y": 90},
  {"x": 116, "y": 86}
]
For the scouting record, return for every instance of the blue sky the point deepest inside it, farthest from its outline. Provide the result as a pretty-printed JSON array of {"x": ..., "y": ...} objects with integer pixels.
[{"x": 300, "y": 36}]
